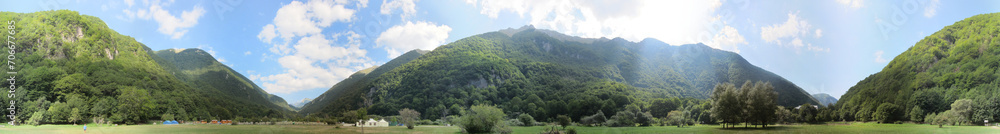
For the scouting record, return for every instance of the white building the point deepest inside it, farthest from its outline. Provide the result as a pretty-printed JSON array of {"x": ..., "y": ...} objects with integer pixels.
[{"x": 372, "y": 123}]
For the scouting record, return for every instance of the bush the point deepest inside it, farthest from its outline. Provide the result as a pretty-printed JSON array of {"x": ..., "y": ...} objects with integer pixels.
[
  {"x": 425, "y": 122},
  {"x": 481, "y": 119},
  {"x": 515, "y": 122},
  {"x": 526, "y": 120},
  {"x": 571, "y": 131},
  {"x": 564, "y": 120},
  {"x": 597, "y": 119}
]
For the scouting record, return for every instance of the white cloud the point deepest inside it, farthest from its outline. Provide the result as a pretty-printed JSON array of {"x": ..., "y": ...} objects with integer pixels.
[
  {"x": 728, "y": 37},
  {"x": 793, "y": 27},
  {"x": 790, "y": 33},
  {"x": 246, "y": 53},
  {"x": 409, "y": 36},
  {"x": 300, "y": 19},
  {"x": 931, "y": 8},
  {"x": 878, "y": 57},
  {"x": 170, "y": 24},
  {"x": 129, "y": 2},
  {"x": 310, "y": 58},
  {"x": 633, "y": 20},
  {"x": 819, "y": 33},
  {"x": 407, "y": 7},
  {"x": 855, "y": 4}
]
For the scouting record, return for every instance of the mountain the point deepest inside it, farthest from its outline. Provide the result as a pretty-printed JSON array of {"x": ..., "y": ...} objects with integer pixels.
[
  {"x": 298, "y": 105},
  {"x": 348, "y": 89},
  {"x": 546, "y": 73},
  {"x": 200, "y": 70},
  {"x": 825, "y": 99},
  {"x": 958, "y": 62},
  {"x": 67, "y": 62}
]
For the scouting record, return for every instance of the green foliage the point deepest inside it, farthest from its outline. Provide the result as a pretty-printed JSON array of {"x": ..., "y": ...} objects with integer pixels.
[
  {"x": 784, "y": 115},
  {"x": 677, "y": 118},
  {"x": 592, "y": 120},
  {"x": 564, "y": 120},
  {"x": 960, "y": 61},
  {"x": 752, "y": 103},
  {"x": 807, "y": 113},
  {"x": 916, "y": 114},
  {"x": 37, "y": 118},
  {"x": 886, "y": 113},
  {"x": 546, "y": 74},
  {"x": 962, "y": 110},
  {"x": 526, "y": 119},
  {"x": 82, "y": 65},
  {"x": 481, "y": 119},
  {"x": 409, "y": 117},
  {"x": 167, "y": 117}
]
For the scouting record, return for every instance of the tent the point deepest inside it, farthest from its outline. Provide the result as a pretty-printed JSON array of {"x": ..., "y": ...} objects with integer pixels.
[{"x": 170, "y": 122}]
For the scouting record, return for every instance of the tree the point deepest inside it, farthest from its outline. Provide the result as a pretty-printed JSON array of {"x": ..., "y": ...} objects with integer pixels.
[
  {"x": 725, "y": 105},
  {"x": 807, "y": 113},
  {"x": 58, "y": 112},
  {"x": 37, "y": 118},
  {"x": 135, "y": 104},
  {"x": 481, "y": 119},
  {"x": 409, "y": 117},
  {"x": 676, "y": 118},
  {"x": 784, "y": 115},
  {"x": 75, "y": 115},
  {"x": 564, "y": 120},
  {"x": 886, "y": 112},
  {"x": 916, "y": 114},
  {"x": 598, "y": 118},
  {"x": 763, "y": 102},
  {"x": 944, "y": 118},
  {"x": 167, "y": 116},
  {"x": 526, "y": 119},
  {"x": 661, "y": 107},
  {"x": 962, "y": 110}
]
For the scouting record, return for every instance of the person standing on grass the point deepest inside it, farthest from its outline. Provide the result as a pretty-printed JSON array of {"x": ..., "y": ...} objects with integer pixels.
[{"x": 84, "y": 128}]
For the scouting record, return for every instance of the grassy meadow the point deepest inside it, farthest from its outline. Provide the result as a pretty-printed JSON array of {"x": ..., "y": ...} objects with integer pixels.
[{"x": 833, "y": 128}]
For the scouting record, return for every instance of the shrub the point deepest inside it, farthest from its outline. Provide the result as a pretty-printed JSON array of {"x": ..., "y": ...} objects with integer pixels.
[
  {"x": 564, "y": 120},
  {"x": 481, "y": 119},
  {"x": 515, "y": 122},
  {"x": 526, "y": 120},
  {"x": 597, "y": 119}
]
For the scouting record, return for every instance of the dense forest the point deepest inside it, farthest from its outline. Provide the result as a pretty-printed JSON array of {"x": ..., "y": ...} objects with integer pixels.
[
  {"x": 201, "y": 71},
  {"x": 72, "y": 68},
  {"x": 353, "y": 85},
  {"x": 959, "y": 62},
  {"x": 545, "y": 74}
]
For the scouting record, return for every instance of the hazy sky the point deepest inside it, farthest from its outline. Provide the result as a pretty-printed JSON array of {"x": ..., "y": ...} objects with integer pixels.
[{"x": 299, "y": 49}]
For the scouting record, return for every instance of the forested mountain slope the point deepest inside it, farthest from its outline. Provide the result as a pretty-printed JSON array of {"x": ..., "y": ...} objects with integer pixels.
[
  {"x": 72, "y": 67},
  {"x": 349, "y": 89},
  {"x": 958, "y": 62},
  {"x": 202, "y": 71},
  {"x": 545, "y": 73}
]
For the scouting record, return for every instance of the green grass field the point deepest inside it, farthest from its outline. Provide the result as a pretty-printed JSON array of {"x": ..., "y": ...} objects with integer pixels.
[{"x": 853, "y": 128}]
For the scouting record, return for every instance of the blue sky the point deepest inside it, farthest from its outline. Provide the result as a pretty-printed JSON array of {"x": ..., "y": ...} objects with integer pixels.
[{"x": 298, "y": 49}]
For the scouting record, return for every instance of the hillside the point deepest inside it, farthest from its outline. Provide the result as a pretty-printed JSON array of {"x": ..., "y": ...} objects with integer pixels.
[
  {"x": 825, "y": 99},
  {"x": 958, "y": 62},
  {"x": 546, "y": 73},
  {"x": 201, "y": 71},
  {"x": 72, "y": 67},
  {"x": 334, "y": 98}
]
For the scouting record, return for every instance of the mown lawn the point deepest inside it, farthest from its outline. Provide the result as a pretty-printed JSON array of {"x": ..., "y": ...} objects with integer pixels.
[{"x": 833, "y": 128}]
